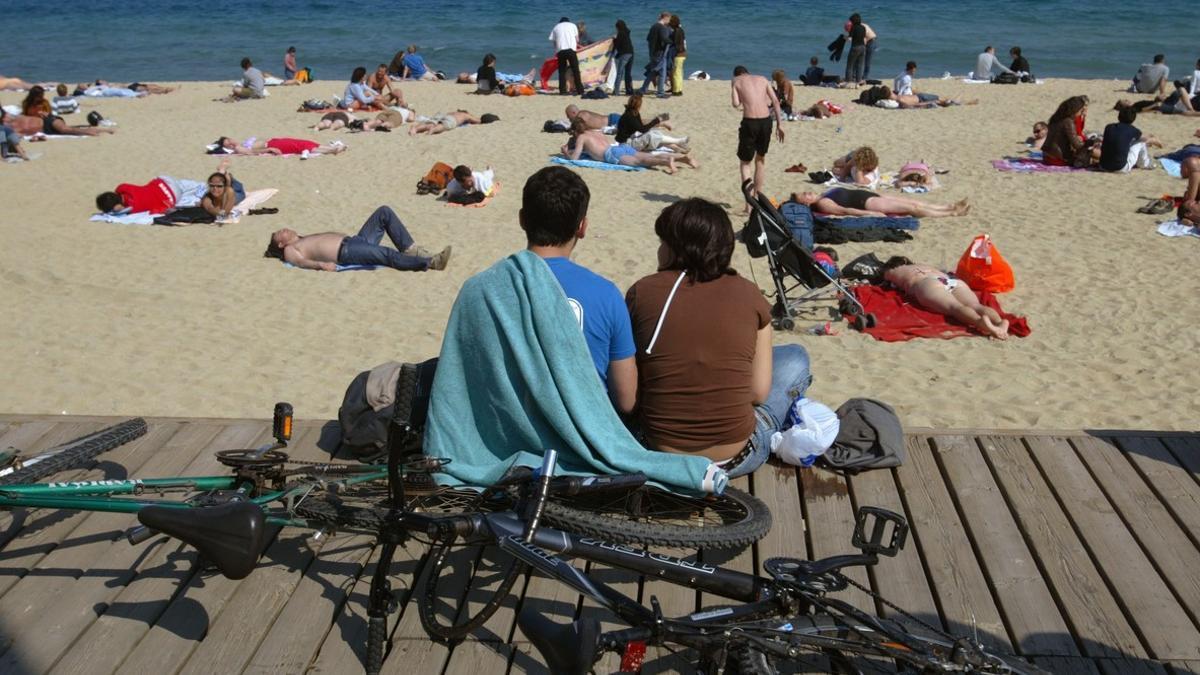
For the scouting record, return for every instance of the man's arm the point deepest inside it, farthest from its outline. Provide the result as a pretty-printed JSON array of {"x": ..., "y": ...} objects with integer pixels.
[
  {"x": 292, "y": 255},
  {"x": 737, "y": 102},
  {"x": 622, "y": 384},
  {"x": 578, "y": 151}
]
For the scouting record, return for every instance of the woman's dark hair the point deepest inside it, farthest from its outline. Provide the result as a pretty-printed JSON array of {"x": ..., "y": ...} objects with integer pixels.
[
  {"x": 553, "y": 204},
  {"x": 1015, "y": 51},
  {"x": 218, "y": 146},
  {"x": 674, "y": 21},
  {"x": 855, "y": 19},
  {"x": 698, "y": 237},
  {"x": 634, "y": 104},
  {"x": 489, "y": 59},
  {"x": 358, "y": 74},
  {"x": 107, "y": 201},
  {"x": 894, "y": 262},
  {"x": 621, "y": 27},
  {"x": 218, "y": 174},
  {"x": 35, "y": 96},
  {"x": 1068, "y": 109}
]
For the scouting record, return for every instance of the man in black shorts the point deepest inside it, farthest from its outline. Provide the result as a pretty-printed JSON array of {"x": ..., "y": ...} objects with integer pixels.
[{"x": 755, "y": 96}]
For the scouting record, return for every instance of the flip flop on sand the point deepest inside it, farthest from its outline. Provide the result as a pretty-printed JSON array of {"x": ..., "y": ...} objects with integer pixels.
[{"x": 796, "y": 168}]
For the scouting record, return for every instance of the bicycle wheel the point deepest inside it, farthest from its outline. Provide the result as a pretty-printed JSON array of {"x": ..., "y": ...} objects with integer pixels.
[
  {"x": 841, "y": 641},
  {"x": 363, "y": 506},
  {"x": 452, "y": 611},
  {"x": 652, "y": 517},
  {"x": 74, "y": 453}
]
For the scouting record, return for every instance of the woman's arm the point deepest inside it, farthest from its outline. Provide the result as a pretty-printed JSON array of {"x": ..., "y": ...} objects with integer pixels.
[{"x": 760, "y": 369}]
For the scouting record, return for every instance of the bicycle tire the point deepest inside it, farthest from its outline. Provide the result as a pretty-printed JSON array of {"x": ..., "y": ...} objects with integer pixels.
[
  {"x": 460, "y": 627},
  {"x": 652, "y": 517},
  {"x": 752, "y": 659},
  {"x": 376, "y": 637},
  {"x": 74, "y": 453},
  {"x": 363, "y": 506}
]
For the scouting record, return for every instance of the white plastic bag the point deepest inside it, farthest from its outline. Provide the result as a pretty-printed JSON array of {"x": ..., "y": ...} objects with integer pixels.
[{"x": 813, "y": 428}]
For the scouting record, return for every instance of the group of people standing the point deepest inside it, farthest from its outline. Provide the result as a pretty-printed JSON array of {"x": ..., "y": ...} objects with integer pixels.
[{"x": 666, "y": 43}]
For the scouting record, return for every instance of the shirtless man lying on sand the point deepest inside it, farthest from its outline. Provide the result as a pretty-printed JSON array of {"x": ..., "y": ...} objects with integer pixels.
[
  {"x": 327, "y": 250},
  {"x": 940, "y": 292},
  {"x": 592, "y": 120},
  {"x": 443, "y": 122},
  {"x": 600, "y": 148}
]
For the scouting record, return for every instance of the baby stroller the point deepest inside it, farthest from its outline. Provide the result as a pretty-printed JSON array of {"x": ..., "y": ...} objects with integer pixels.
[{"x": 800, "y": 281}]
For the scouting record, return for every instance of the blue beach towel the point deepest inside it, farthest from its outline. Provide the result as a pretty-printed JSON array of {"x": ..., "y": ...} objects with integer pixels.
[
  {"x": 592, "y": 164},
  {"x": 1172, "y": 167},
  {"x": 340, "y": 268},
  {"x": 515, "y": 377}
]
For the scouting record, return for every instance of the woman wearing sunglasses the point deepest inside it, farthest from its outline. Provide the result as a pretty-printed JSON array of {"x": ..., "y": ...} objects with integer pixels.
[{"x": 224, "y": 192}]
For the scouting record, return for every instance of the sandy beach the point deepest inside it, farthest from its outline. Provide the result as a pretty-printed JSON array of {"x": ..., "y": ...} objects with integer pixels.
[{"x": 193, "y": 321}]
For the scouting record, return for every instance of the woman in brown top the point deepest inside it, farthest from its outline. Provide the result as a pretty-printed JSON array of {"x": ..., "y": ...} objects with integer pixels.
[
  {"x": 709, "y": 382},
  {"x": 1065, "y": 143}
]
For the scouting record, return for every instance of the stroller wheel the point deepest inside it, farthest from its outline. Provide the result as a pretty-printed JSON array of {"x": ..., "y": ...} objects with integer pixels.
[
  {"x": 870, "y": 320},
  {"x": 785, "y": 324}
]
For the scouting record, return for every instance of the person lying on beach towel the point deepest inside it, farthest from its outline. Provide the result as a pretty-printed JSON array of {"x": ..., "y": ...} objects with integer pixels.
[
  {"x": 857, "y": 167},
  {"x": 592, "y": 120},
  {"x": 14, "y": 84},
  {"x": 274, "y": 146},
  {"x": 841, "y": 201},
  {"x": 942, "y": 292},
  {"x": 36, "y": 105},
  {"x": 468, "y": 187},
  {"x": 160, "y": 195},
  {"x": 327, "y": 250},
  {"x": 822, "y": 109},
  {"x": 443, "y": 122},
  {"x": 385, "y": 120},
  {"x": 591, "y": 144}
]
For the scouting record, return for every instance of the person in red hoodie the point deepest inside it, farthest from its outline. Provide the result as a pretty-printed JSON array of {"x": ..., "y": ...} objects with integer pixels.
[{"x": 159, "y": 195}]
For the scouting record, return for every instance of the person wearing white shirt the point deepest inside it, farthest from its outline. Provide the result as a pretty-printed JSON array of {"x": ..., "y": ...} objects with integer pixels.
[
  {"x": 565, "y": 37},
  {"x": 466, "y": 182},
  {"x": 903, "y": 84},
  {"x": 985, "y": 63}
]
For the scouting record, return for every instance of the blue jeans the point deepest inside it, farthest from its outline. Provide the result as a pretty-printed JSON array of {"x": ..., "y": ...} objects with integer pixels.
[
  {"x": 927, "y": 98},
  {"x": 364, "y": 249},
  {"x": 854, "y": 64},
  {"x": 238, "y": 190},
  {"x": 790, "y": 377},
  {"x": 624, "y": 66},
  {"x": 9, "y": 140},
  {"x": 657, "y": 67},
  {"x": 867, "y": 60}
]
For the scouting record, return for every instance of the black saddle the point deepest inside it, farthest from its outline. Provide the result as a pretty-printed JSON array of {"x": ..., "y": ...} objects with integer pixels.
[
  {"x": 231, "y": 535},
  {"x": 567, "y": 648}
]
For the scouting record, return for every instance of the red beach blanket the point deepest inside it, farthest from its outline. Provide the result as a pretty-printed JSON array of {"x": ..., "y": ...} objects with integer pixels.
[{"x": 897, "y": 320}]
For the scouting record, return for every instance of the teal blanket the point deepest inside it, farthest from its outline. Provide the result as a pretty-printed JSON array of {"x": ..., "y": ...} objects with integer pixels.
[{"x": 515, "y": 378}]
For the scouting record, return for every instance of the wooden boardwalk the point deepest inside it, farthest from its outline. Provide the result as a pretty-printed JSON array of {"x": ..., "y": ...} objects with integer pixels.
[{"x": 1079, "y": 550}]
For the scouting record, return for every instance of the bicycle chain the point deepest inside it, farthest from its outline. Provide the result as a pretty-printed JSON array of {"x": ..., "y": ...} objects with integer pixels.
[{"x": 897, "y": 608}]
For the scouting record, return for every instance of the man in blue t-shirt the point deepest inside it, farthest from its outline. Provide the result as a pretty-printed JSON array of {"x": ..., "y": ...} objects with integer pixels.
[
  {"x": 414, "y": 66},
  {"x": 554, "y": 216}
]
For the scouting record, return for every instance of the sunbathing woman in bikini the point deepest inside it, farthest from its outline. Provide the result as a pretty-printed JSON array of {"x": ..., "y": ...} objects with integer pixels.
[
  {"x": 941, "y": 292},
  {"x": 849, "y": 202}
]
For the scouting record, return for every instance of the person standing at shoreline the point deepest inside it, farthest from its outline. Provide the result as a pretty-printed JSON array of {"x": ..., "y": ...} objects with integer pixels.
[
  {"x": 871, "y": 43},
  {"x": 858, "y": 50},
  {"x": 623, "y": 45},
  {"x": 757, "y": 100},
  {"x": 677, "y": 39},
  {"x": 289, "y": 64},
  {"x": 658, "y": 39},
  {"x": 565, "y": 36}
]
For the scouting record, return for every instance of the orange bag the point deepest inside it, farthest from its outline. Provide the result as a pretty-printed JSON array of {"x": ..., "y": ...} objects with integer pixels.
[{"x": 983, "y": 268}]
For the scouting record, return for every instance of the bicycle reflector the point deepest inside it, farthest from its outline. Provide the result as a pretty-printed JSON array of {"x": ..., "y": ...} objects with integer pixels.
[
  {"x": 281, "y": 425},
  {"x": 871, "y": 531}
]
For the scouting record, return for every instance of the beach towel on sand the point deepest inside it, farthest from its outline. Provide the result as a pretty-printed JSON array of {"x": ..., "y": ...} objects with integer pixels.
[
  {"x": 1172, "y": 167},
  {"x": 515, "y": 377},
  {"x": 1174, "y": 228},
  {"x": 1030, "y": 165},
  {"x": 340, "y": 268},
  {"x": 593, "y": 164},
  {"x": 897, "y": 320}
]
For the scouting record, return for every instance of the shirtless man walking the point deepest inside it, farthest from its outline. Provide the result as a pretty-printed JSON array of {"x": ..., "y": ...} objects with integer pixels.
[
  {"x": 327, "y": 250},
  {"x": 755, "y": 96},
  {"x": 940, "y": 292},
  {"x": 600, "y": 148}
]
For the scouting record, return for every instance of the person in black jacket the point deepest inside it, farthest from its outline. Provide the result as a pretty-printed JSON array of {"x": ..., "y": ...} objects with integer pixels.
[
  {"x": 485, "y": 77},
  {"x": 631, "y": 121},
  {"x": 1020, "y": 64},
  {"x": 658, "y": 40},
  {"x": 623, "y": 46}
]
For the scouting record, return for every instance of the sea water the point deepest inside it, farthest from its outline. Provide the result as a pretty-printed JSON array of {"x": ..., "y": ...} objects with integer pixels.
[{"x": 156, "y": 40}]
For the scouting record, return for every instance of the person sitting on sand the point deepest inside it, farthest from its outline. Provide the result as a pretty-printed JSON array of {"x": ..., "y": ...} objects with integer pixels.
[
  {"x": 274, "y": 146},
  {"x": 591, "y": 144},
  {"x": 62, "y": 103},
  {"x": 850, "y": 202},
  {"x": 785, "y": 92},
  {"x": 380, "y": 82},
  {"x": 686, "y": 403},
  {"x": 415, "y": 67},
  {"x": 443, "y": 122},
  {"x": 859, "y": 166},
  {"x": 941, "y": 292},
  {"x": 592, "y": 120},
  {"x": 485, "y": 77},
  {"x": 1020, "y": 65},
  {"x": 916, "y": 101},
  {"x": 1039, "y": 136},
  {"x": 1066, "y": 144},
  {"x": 468, "y": 187},
  {"x": 1152, "y": 78},
  {"x": 1124, "y": 147},
  {"x": 224, "y": 192},
  {"x": 985, "y": 63},
  {"x": 158, "y": 196},
  {"x": 630, "y": 123},
  {"x": 903, "y": 85},
  {"x": 10, "y": 141},
  {"x": 36, "y": 105},
  {"x": 815, "y": 75},
  {"x": 358, "y": 96},
  {"x": 253, "y": 85},
  {"x": 327, "y": 250}
]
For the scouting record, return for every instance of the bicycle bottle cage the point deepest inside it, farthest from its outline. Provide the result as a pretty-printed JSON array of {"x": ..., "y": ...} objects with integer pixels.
[{"x": 872, "y": 530}]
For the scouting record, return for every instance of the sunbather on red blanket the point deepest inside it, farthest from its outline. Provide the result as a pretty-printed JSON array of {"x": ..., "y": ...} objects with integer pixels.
[{"x": 940, "y": 292}]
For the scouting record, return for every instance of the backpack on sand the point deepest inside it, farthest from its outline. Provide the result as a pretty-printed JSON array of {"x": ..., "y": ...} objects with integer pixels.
[{"x": 436, "y": 179}]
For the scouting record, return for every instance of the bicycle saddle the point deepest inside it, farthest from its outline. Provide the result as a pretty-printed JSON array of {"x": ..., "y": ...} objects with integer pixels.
[
  {"x": 568, "y": 648},
  {"x": 231, "y": 535}
]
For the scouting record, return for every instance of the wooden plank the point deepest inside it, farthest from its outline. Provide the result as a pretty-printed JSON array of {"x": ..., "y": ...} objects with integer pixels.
[
  {"x": 777, "y": 485},
  {"x": 1029, "y": 609},
  {"x": 1113, "y": 522},
  {"x": 48, "y": 609},
  {"x": 410, "y": 643},
  {"x": 1094, "y": 614},
  {"x": 1130, "y": 667},
  {"x": 1185, "y": 448},
  {"x": 1067, "y": 665},
  {"x": 900, "y": 579},
  {"x": 830, "y": 519},
  {"x": 1174, "y": 483},
  {"x": 486, "y": 650}
]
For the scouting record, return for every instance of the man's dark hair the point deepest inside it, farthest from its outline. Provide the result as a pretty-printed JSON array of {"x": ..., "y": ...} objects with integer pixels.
[
  {"x": 740, "y": 70},
  {"x": 107, "y": 201},
  {"x": 462, "y": 171},
  {"x": 1127, "y": 115},
  {"x": 273, "y": 250},
  {"x": 698, "y": 237},
  {"x": 911, "y": 65},
  {"x": 814, "y": 61},
  {"x": 563, "y": 20},
  {"x": 1159, "y": 58},
  {"x": 291, "y": 50},
  {"x": 246, "y": 63},
  {"x": 553, "y": 204},
  {"x": 987, "y": 48}
]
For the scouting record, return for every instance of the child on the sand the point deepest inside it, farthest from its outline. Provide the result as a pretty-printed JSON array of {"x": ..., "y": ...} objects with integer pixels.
[{"x": 942, "y": 292}]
